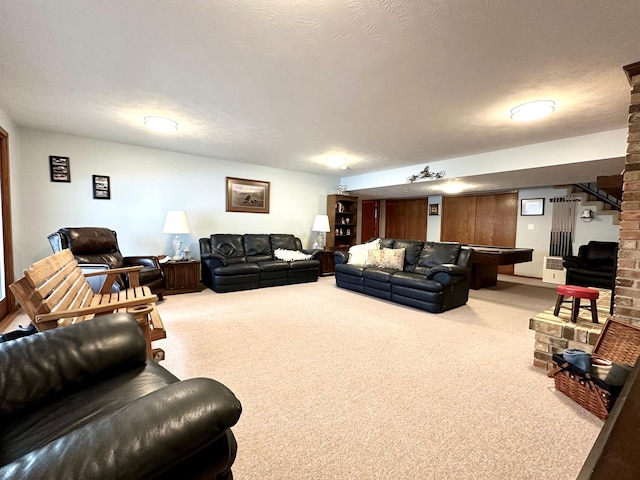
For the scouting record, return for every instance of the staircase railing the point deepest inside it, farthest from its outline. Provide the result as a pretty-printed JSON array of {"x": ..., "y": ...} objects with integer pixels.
[{"x": 592, "y": 189}]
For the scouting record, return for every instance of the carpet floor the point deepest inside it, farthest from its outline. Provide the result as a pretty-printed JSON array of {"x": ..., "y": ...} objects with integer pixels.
[{"x": 336, "y": 384}]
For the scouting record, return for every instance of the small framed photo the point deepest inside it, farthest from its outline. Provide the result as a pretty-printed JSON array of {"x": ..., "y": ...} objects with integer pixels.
[
  {"x": 532, "y": 206},
  {"x": 251, "y": 196},
  {"x": 59, "y": 169},
  {"x": 101, "y": 187},
  {"x": 434, "y": 209}
]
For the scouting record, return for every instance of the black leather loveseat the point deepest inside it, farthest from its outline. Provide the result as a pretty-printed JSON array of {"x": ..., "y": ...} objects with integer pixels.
[
  {"x": 232, "y": 262},
  {"x": 83, "y": 402},
  {"x": 434, "y": 276}
]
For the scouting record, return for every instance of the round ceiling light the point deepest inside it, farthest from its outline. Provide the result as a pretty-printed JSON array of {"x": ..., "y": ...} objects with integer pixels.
[
  {"x": 533, "y": 110},
  {"x": 161, "y": 124}
]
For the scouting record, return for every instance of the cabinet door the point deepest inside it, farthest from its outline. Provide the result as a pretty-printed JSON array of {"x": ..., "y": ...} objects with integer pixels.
[
  {"x": 406, "y": 219},
  {"x": 458, "y": 219}
]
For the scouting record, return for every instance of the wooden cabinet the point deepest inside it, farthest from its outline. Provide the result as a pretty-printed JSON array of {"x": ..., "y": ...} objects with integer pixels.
[
  {"x": 182, "y": 277},
  {"x": 343, "y": 215},
  {"x": 327, "y": 264}
]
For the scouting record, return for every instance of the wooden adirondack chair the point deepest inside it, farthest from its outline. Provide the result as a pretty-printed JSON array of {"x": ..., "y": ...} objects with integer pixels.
[{"x": 55, "y": 292}]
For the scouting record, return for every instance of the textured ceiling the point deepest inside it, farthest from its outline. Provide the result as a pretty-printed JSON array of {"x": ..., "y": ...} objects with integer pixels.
[{"x": 289, "y": 82}]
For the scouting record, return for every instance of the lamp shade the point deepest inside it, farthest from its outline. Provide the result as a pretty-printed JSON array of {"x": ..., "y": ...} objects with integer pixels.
[
  {"x": 321, "y": 223},
  {"x": 176, "y": 222}
]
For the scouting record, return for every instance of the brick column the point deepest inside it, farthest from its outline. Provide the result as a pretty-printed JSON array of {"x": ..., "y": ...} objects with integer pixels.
[{"x": 627, "y": 298}]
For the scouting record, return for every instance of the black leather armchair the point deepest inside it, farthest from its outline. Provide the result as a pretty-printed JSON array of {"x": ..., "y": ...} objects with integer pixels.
[
  {"x": 594, "y": 266},
  {"x": 97, "y": 245},
  {"x": 83, "y": 402}
]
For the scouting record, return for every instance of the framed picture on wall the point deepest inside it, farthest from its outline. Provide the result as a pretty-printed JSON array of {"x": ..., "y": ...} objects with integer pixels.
[
  {"x": 434, "y": 209},
  {"x": 250, "y": 196},
  {"x": 101, "y": 187},
  {"x": 532, "y": 206},
  {"x": 59, "y": 170}
]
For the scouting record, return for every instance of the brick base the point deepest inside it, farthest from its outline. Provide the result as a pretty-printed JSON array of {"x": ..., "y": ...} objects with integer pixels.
[{"x": 555, "y": 334}]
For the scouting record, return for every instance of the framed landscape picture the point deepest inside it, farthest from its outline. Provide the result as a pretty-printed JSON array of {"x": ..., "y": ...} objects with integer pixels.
[
  {"x": 251, "y": 196},
  {"x": 101, "y": 187},
  {"x": 532, "y": 206},
  {"x": 59, "y": 169}
]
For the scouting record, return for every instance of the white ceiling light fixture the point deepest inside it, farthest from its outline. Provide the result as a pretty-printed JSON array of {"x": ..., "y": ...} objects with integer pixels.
[
  {"x": 336, "y": 162},
  {"x": 161, "y": 124},
  {"x": 533, "y": 110}
]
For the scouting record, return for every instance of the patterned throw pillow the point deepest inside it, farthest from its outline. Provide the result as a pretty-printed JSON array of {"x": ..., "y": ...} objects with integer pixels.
[{"x": 387, "y": 258}]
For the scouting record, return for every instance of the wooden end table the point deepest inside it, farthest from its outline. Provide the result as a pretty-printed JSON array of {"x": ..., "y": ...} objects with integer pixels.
[{"x": 182, "y": 276}]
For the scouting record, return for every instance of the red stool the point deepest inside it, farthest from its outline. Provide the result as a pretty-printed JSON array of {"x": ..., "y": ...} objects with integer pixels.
[{"x": 577, "y": 293}]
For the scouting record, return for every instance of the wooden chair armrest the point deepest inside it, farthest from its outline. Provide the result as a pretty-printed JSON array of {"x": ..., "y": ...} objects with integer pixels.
[
  {"x": 92, "y": 310},
  {"x": 136, "y": 268}
]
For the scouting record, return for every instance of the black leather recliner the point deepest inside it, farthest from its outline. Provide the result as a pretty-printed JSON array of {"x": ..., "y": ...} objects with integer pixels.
[
  {"x": 594, "y": 266},
  {"x": 99, "y": 246},
  {"x": 84, "y": 402}
]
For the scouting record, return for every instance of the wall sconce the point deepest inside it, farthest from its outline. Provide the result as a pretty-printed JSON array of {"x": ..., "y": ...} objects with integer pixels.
[
  {"x": 587, "y": 215},
  {"x": 425, "y": 174}
]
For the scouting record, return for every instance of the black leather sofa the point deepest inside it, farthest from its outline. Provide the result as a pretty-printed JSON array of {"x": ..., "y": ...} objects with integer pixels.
[
  {"x": 232, "y": 262},
  {"x": 594, "y": 266},
  {"x": 99, "y": 246},
  {"x": 435, "y": 276},
  {"x": 82, "y": 402}
]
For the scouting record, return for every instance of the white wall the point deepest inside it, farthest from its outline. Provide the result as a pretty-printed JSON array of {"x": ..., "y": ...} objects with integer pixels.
[
  {"x": 145, "y": 183},
  {"x": 537, "y": 237}
]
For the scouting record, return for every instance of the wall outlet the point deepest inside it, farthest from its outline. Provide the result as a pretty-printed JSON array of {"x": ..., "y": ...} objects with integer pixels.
[{"x": 531, "y": 226}]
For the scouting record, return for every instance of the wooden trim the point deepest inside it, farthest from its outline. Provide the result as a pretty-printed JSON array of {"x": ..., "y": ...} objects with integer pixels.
[{"x": 8, "y": 304}]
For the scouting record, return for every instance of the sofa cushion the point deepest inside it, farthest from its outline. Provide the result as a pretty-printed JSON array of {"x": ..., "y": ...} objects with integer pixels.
[
  {"x": 283, "y": 240},
  {"x": 415, "y": 281},
  {"x": 230, "y": 246},
  {"x": 387, "y": 242},
  {"x": 257, "y": 245},
  {"x": 437, "y": 253},
  {"x": 412, "y": 250},
  {"x": 239, "y": 268},
  {"x": 88, "y": 240},
  {"x": 387, "y": 258}
]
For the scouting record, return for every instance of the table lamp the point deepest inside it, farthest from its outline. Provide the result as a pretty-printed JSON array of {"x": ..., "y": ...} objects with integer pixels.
[
  {"x": 320, "y": 225},
  {"x": 177, "y": 223}
]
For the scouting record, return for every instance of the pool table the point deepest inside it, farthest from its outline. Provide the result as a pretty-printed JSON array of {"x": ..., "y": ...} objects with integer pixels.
[{"x": 486, "y": 259}]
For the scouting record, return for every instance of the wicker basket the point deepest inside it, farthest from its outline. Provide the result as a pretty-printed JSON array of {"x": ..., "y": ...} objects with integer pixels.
[{"x": 618, "y": 342}]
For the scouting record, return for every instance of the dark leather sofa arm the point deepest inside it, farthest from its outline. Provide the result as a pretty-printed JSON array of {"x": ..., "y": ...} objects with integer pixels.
[
  {"x": 340, "y": 256},
  {"x": 149, "y": 261},
  {"x": 154, "y": 433},
  {"x": 213, "y": 260},
  {"x": 447, "y": 273},
  {"x": 68, "y": 356},
  {"x": 316, "y": 253},
  {"x": 573, "y": 262}
]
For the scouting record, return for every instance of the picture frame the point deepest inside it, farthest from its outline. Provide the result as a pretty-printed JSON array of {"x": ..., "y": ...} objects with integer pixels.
[
  {"x": 434, "y": 209},
  {"x": 531, "y": 206},
  {"x": 248, "y": 196},
  {"x": 59, "y": 170},
  {"x": 101, "y": 187}
]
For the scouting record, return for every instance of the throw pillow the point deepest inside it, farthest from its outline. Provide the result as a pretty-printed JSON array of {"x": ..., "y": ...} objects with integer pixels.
[
  {"x": 291, "y": 255},
  {"x": 387, "y": 258},
  {"x": 358, "y": 253}
]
